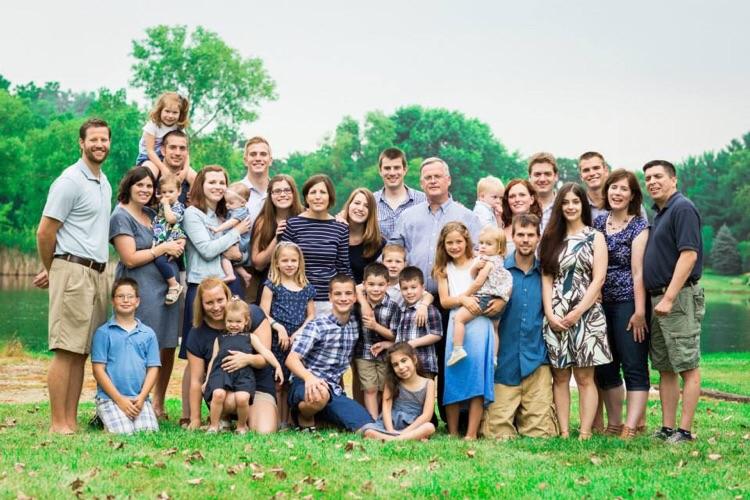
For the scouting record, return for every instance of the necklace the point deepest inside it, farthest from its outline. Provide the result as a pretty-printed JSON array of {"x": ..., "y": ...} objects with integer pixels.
[{"x": 614, "y": 226}]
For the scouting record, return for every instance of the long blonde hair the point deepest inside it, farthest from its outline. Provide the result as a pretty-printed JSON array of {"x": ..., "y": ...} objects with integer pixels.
[
  {"x": 371, "y": 237},
  {"x": 274, "y": 273},
  {"x": 441, "y": 256},
  {"x": 207, "y": 284}
]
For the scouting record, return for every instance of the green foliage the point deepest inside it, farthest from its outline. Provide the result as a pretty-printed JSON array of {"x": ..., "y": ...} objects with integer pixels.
[
  {"x": 223, "y": 87},
  {"x": 707, "y": 235},
  {"x": 725, "y": 259},
  {"x": 743, "y": 247},
  {"x": 350, "y": 155},
  {"x": 567, "y": 170}
]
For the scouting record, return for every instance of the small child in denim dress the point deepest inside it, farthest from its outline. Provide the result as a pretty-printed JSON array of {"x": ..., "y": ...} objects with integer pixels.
[
  {"x": 167, "y": 227},
  {"x": 497, "y": 283},
  {"x": 236, "y": 197}
]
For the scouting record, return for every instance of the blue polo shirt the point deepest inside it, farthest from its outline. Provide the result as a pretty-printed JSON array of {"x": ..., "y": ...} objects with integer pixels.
[
  {"x": 676, "y": 227},
  {"x": 522, "y": 347},
  {"x": 126, "y": 356}
]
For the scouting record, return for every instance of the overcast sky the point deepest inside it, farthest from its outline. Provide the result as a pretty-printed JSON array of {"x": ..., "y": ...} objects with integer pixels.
[{"x": 636, "y": 80}]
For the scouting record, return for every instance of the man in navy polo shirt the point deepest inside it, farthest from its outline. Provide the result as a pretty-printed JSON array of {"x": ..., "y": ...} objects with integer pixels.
[{"x": 671, "y": 269}]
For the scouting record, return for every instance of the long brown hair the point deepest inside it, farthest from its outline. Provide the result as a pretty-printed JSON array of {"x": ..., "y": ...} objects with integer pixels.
[
  {"x": 264, "y": 228},
  {"x": 198, "y": 198},
  {"x": 371, "y": 238},
  {"x": 391, "y": 379},
  {"x": 441, "y": 256},
  {"x": 553, "y": 240},
  {"x": 535, "y": 208}
]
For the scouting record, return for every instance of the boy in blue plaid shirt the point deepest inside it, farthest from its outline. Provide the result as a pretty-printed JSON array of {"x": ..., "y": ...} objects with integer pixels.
[
  {"x": 422, "y": 338},
  {"x": 381, "y": 326},
  {"x": 125, "y": 360},
  {"x": 321, "y": 354}
]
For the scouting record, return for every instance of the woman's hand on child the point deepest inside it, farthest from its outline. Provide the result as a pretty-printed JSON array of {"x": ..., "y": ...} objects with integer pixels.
[
  {"x": 495, "y": 306},
  {"x": 234, "y": 361},
  {"x": 233, "y": 253},
  {"x": 213, "y": 229},
  {"x": 472, "y": 304},
  {"x": 244, "y": 225},
  {"x": 279, "y": 375}
]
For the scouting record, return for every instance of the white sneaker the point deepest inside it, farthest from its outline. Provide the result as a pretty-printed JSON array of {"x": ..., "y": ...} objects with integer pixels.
[{"x": 457, "y": 355}]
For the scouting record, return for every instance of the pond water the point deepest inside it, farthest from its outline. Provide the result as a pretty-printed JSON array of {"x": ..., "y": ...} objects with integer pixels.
[{"x": 23, "y": 314}]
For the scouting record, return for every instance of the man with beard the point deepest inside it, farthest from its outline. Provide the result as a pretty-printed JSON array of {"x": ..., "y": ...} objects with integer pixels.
[
  {"x": 523, "y": 379},
  {"x": 72, "y": 241}
]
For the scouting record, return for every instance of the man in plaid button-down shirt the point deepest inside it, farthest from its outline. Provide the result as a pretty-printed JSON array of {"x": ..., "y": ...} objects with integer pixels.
[
  {"x": 395, "y": 197},
  {"x": 424, "y": 338},
  {"x": 371, "y": 368},
  {"x": 318, "y": 359}
]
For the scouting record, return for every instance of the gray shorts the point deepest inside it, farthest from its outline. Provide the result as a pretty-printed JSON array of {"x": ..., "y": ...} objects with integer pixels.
[{"x": 676, "y": 337}]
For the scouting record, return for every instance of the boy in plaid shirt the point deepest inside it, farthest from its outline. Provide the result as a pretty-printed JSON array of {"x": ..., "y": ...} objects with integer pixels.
[
  {"x": 381, "y": 326},
  {"x": 125, "y": 360},
  {"x": 321, "y": 354},
  {"x": 422, "y": 338}
]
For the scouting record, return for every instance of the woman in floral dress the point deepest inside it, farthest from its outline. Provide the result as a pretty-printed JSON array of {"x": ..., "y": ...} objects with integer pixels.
[{"x": 574, "y": 265}]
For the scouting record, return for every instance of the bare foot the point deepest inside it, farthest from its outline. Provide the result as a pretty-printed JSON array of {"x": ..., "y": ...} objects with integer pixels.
[
  {"x": 64, "y": 431},
  {"x": 470, "y": 438},
  {"x": 241, "y": 430}
]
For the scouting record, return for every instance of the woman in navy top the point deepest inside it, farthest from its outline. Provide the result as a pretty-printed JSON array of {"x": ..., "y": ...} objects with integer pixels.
[
  {"x": 624, "y": 302},
  {"x": 324, "y": 240},
  {"x": 365, "y": 240}
]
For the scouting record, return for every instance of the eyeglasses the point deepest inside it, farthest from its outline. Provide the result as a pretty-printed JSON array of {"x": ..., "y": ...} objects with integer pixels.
[
  {"x": 279, "y": 191},
  {"x": 121, "y": 296}
]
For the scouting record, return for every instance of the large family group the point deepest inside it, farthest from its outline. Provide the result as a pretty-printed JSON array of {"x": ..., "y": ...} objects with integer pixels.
[{"x": 486, "y": 312}]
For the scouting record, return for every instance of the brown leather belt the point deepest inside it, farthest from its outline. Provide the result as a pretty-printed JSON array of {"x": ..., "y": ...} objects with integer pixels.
[{"x": 91, "y": 264}]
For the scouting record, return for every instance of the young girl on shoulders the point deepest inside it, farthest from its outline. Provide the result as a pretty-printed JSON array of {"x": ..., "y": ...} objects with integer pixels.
[
  {"x": 170, "y": 113},
  {"x": 288, "y": 300},
  {"x": 219, "y": 384},
  {"x": 408, "y": 399}
]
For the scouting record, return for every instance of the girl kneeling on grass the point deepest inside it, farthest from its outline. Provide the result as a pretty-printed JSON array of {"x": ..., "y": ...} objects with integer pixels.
[
  {"x": 408, "y": 399},
  {"x": 221, "y": 385}
]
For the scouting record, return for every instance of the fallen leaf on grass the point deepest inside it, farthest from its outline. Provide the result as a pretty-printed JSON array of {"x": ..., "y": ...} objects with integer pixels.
[
  {"x": 163, "y": 496},
  {"x": 33, "y": 410},
  {"x": 233, "y": 470},
  {"x": 320, "y": 484},
  {"x": 195, "y": 456},
  {"x": 353, "y": 445},
  {"x": 289, "y": 445},
  {"x": 364, "y": 458},
  {"x": 746, "y": 437},
  {"x": 9, "y": 422},
  {"x": 398, "y": 473},
  {"x": 116, "y": 445},
  {"x": 681, "y": 464},
  {"x": 93, "y": 472},
  {"x": 659, "y": 494},
  {"x": 255, "y": 467},
  {"x": 297, "y": 489},
  {"x": 196, "y": 481},
  {"x": 23, "y": 496},
  {"x": 694, "y": 453},
  {"x": 596, "y": 460},
  {"x": 279, "y": 494},
  {"x": 19, "y": 467},
  {"x": 712, "y": 440},
  {"x": 41, "y": 445},
  {"x": 405, "y": 484},
  {"x": 542, "y": 486},
  {"x": 76, "y": 485},
  {"x": 368, "y": 487},
  {"x": 169, "y": 452},
  {"x": 160, "y": 465},
  {"x": 278, "y": 472},
  {"x": 714, "y": 456},
  {"x": 248, "y": 448},
  {"x": 471, "y": 453},
  {"x": 258, "y": 475},
  {"x": 434, "y": 464},
  {"x": 582, "y": 480}
]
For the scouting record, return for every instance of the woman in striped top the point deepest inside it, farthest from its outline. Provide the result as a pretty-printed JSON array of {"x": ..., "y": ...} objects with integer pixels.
[{"x": 324, "y": 240}]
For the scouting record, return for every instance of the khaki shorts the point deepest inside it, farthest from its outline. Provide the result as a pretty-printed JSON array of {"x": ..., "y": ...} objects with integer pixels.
[
  {"x": 676, "y": 337},
  {"x": 371, "y": 373},
  {"x": 265, "y": 397},
  {"x": 525, "y": 409},
  {"x": 78, "y": 298}
]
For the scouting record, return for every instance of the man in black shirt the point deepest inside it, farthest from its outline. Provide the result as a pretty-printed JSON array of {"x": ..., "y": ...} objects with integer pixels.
[{"x": 671, "y": 270}]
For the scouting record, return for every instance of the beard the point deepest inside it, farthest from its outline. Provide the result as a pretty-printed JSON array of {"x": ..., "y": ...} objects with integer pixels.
[{"x": 91, "y": 157}]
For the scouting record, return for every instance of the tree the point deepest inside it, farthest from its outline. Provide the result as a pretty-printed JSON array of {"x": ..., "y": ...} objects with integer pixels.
[
  {"x": 707, "y": 235},
  {"x": 224, "y": 88},
  {"x": 725, "y": 257}
]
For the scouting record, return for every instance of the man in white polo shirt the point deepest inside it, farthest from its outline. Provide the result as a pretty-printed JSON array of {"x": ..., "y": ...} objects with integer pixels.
[
  {"x": 258, "y": 160},
  {"x": 72, "y": 241}
]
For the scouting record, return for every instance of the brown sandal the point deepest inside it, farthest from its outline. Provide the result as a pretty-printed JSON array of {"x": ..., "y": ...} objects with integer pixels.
[
  {"x": 628, "y": 433},
  {"x": 613, "y": 430}
]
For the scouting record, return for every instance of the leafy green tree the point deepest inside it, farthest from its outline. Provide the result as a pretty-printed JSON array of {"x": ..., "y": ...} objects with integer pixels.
[
  {"x": 707, "y": 235},
  {"x": 567, "y": 170},
  {"x": 223, "y": 87},
  {"x": 725, "y": 257}
]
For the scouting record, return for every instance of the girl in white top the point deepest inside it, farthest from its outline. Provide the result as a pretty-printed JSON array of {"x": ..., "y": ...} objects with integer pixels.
[{"x": 170, "y": 113}]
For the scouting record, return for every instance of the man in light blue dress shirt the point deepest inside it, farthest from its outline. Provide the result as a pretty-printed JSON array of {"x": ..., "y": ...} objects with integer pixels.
[{"x": 395, "y": 197}]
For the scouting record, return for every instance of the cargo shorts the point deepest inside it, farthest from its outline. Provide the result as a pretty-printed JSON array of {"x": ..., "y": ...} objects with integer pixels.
[{"x": 676, "y": 337}]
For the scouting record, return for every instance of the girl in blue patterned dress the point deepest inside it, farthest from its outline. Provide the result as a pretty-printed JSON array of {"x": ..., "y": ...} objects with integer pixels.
[
  {"x": 287, "y": 299},
  {"x": 408, "y": 399}
]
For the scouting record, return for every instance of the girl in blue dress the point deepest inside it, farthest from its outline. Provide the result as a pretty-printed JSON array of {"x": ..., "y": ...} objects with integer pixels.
[
  {"x": 287, "y": 300},
  {"x": 408, "y": 399}
]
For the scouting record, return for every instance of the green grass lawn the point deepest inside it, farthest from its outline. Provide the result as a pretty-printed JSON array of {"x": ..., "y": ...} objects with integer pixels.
[
  {"x": 193, "y": 464},
  {"x": 725, "y": 288},
  {"x": 722, "y": 371}
]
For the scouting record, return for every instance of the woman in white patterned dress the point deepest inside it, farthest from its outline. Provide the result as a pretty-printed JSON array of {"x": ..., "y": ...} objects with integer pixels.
[{"x": 574, "y": 265}]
